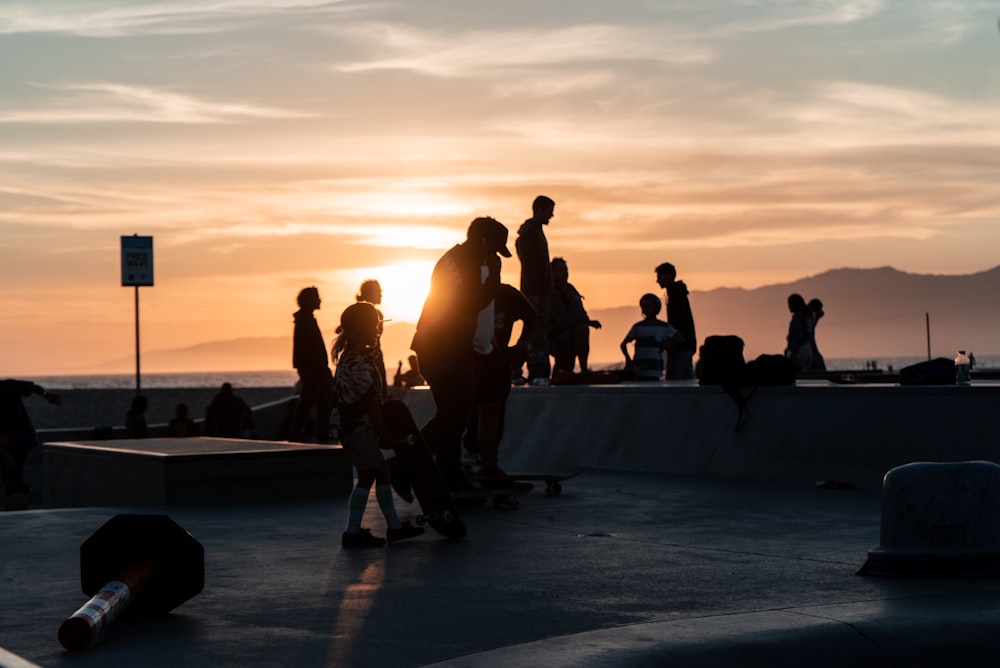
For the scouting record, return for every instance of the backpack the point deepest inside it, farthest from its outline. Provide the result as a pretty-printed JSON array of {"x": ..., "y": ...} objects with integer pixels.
[
  {"x": 769, "y": 370},
  {"x": 720, "y": 361},
  {"x": 938, "y": 371}
]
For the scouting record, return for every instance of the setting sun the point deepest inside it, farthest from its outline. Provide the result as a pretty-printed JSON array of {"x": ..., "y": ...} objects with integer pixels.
[{"x": 404, "y": 288}]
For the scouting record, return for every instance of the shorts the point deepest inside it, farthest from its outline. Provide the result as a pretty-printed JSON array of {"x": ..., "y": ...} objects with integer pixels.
[
  {"x": 492, "y": 376},
  {"x": 362, "y": 445}
]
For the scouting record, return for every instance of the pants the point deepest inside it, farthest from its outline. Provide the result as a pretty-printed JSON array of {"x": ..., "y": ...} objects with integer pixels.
[{"x": 453, "y": 385}]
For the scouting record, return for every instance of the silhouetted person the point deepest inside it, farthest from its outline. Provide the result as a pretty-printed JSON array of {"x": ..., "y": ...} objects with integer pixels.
[
  {"x": 228, "y": 415},
  {"x": 464, "y": 282},
  {"x": 680, "y": 365},
  {"x": 569, "y": 324},
  {"x": 798, "y": 346},
  {"x": 493, "y": 374},
  {"x": 181, "y": 425},
  {"x": 309, "y": 357},
  {"x": 371, "y": 292},
  {"x": 652, "y": 337},
  {"x": 364, "y": 433},
  {"x": 536, "y": 282},
  {"x": 816, "y": 307},
  {"x": 135, "y": 417},
  {"x": 411, "y": 377},
  {"x": 17, "y": 439}
]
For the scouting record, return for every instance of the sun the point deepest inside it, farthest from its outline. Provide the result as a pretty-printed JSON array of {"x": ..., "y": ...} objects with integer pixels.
[{"x": 404, "y": 288}]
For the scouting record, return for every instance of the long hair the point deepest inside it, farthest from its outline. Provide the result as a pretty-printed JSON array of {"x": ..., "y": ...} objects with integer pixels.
[{"x": 352, "y": 320}]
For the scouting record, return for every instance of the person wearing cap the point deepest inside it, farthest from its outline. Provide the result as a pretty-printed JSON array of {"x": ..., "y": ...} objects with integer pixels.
[
  {"x": 463, "y": 283},
  {"x": 536, "y": 282}
]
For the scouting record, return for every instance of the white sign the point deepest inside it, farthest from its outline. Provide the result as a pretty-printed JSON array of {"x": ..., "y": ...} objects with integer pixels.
[{"x": 137, "y": 260}]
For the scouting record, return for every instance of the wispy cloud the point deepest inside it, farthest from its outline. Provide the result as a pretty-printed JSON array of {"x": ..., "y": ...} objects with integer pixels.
[
  {"x": 115, "y": 19},
  {"x": 109, "y": 102},
  {"x": 470, "y": 53}
]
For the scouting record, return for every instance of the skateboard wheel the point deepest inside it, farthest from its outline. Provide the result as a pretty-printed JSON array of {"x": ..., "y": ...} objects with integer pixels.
[
  {"x": 447, "y": 516},
  {"x": 421, "y": 520},
  {"x": 515, "y": 504}
]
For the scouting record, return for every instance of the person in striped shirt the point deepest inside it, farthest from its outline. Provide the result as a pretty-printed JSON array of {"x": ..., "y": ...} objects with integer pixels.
[{"x": 651, "y": 337}]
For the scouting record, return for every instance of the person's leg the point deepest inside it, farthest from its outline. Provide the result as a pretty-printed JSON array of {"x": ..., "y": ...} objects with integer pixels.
[
  {"x": 582, "y": 345},
  {"x": 489, "y": 418},
  {"x": 307, "y": 401},
  {"x": 679, "y": 365},
  {"x": 324, "y": 406},
  {"x": 452, "y": 384}
]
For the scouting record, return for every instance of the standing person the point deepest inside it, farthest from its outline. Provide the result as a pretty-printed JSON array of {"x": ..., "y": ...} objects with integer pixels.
[
  {"x": 135, "y": 417},
  {"x": 371, "y": 292},
  {"x": 680, "y": 358},
  {"x": 569, "y": 324},
  {"x": 536, "y": 282},
  {"x": 652, "y": 337},
  {"x": 798, "y": 346},
  {"x": 363, "y": 431},
  {"x": 816, "y": 307},
  {"x": 17, "y": 439},
  {"x": 485, "y": 427},
  {"x": 463, "y": 283},
  {"x": 310, "y": 360}
]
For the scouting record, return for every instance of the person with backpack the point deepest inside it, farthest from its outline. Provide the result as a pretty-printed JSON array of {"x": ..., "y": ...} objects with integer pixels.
[{"x": 680, "y": 358}]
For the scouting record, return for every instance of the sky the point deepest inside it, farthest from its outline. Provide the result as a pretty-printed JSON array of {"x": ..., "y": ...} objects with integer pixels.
[{"x": 269, "y": 145}]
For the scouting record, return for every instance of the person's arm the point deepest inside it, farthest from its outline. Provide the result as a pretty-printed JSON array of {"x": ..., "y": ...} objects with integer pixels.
[{"x": 628, "y": 358}]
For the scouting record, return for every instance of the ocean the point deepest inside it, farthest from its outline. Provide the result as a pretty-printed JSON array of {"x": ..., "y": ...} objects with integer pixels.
[
  {"x": 248, "y": 379},
  {"x": 124, "y": 381}
]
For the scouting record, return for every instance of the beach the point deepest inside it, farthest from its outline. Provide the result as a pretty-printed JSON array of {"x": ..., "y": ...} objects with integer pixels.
[{"x": 107, "y": 407}]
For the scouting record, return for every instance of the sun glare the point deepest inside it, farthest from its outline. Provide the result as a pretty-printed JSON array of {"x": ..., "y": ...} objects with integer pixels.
[{"x": 404, "y": 288}]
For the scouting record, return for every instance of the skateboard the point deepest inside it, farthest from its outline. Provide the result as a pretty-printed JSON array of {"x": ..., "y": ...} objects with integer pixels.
[
  {"x": 553, "y": 481},
  {"x": 413, "y": 469},
  {"x": 499, "y": 497}
]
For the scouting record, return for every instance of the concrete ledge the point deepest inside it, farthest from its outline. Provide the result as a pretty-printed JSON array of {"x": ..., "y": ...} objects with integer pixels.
[
  {"x": 799, "y": 434},
  {"x": 191, "y": 471}
]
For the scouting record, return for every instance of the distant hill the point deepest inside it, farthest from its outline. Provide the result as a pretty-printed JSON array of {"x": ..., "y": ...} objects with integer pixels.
[{"x": 870, "y": 313}]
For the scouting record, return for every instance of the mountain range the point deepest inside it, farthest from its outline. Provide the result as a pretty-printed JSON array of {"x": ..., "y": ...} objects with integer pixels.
[{"x": 870, "y": 314}]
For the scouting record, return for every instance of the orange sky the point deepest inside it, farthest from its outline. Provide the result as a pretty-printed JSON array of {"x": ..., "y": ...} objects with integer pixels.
[{"x": 275, "y": 144}]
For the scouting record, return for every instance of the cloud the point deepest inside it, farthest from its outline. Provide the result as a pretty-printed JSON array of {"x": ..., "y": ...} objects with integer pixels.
[
  {"x": 470, "y": 53},
  {"x": 109, "y": 102},
  {"x": 117, "y": 19}
]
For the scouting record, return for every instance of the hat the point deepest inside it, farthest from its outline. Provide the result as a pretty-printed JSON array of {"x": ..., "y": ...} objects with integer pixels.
[{"x": 493, "y": 231}]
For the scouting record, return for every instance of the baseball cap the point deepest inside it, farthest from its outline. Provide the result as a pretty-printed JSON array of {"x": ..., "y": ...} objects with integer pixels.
[{"x": 493, "y": 231}]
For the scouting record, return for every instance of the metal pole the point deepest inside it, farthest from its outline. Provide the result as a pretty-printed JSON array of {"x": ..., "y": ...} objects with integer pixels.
[
  {"x": 927, "y": 321},
  {"x": 138, "y": 383}
]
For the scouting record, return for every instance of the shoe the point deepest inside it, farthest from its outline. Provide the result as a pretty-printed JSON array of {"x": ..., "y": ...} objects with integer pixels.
[
  {"x": 363, "y": 538},
  {"x": 403, "y": 532}
]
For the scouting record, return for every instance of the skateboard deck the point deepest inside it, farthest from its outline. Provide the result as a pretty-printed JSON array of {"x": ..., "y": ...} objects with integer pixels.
[
  {"x": 501, "y": 497},
  {"x": 553, "y": 480},
  {"x": 413, "y": 468}
]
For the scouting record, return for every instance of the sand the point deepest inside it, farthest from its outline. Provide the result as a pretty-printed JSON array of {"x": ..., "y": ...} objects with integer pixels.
[{"x": 107, "y": 408}]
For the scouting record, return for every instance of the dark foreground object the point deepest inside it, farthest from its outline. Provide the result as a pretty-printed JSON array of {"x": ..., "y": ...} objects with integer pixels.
[
  {"x": 144, "y": 563},
  {"x": 553, "y": 480},
  {"x": 414, "y": 466}
]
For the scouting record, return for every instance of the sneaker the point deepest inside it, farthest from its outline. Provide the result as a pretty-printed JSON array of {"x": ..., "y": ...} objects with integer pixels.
[
  {"x": 403, "y": 532},
  {"x": 363, "y": 538}
]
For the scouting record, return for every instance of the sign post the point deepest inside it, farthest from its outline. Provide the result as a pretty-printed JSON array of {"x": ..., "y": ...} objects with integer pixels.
[{"x": 137, "y": 270}]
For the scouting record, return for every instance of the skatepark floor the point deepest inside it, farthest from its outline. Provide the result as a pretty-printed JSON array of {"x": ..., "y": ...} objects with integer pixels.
[{"x": 621, "y": 570}]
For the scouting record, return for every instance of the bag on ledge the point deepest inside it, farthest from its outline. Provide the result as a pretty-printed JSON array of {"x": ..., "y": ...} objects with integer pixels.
[
  {"x": 938, "y": 371},
  {"x": 769, "y": 370},
  {"x": 720, "y": 361}
]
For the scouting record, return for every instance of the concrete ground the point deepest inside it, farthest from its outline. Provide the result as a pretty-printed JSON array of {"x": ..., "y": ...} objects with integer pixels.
[{"x": 624, "y": 569}]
